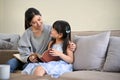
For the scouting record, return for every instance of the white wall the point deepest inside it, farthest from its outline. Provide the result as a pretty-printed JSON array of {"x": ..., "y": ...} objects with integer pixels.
[
  {"x": 1, "y": 15},
  {"x": 83, "y": 15}
]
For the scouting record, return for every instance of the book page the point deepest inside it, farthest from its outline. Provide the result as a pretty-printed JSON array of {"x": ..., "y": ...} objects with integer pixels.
[{"x": 18, "y": 57}]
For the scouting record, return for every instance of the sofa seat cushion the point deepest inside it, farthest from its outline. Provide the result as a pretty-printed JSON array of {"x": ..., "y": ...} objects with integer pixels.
[
  {"x": 91, "y": 75},
  {"x": 90, "y": 51}
]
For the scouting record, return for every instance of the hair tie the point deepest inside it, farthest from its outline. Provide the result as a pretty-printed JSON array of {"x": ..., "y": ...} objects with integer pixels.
[{"x": 67, "y": 31}]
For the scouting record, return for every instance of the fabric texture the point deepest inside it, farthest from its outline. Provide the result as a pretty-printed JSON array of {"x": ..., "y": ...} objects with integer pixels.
[
  {"x": 5, "y": 44},
  {"x": 91, "y": 75},
  {"x": 11, "y": 40},
  {"x": 113, "y": 56},
  {"x": 90, "y": 51}
]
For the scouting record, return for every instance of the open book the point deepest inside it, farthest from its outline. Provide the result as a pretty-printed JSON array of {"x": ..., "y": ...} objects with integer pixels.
[
  {"x": 18, "y": 57},
  {"x": 45, "y": 57}
]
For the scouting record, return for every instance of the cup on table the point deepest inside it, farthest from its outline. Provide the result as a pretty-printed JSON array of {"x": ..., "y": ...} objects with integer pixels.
[{"x": 4, "y": 72}]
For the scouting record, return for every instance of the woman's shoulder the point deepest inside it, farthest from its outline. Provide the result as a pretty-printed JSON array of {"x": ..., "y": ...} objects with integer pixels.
[
  {"x": 27, "y": 32},
  {"x": 47, "y": 27}
]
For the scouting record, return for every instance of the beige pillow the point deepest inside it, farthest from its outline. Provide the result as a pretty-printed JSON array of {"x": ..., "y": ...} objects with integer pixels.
[
  {"x": 113, "y": 56},
  {"x": 90, "y": 51}
]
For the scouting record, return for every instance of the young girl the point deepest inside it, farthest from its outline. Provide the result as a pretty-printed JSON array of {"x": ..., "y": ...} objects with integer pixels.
[{"x": 61, "y": 34}]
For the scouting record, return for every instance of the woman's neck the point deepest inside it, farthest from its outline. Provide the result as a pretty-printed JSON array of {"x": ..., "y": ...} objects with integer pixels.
[{"x": 37, "y": 32}]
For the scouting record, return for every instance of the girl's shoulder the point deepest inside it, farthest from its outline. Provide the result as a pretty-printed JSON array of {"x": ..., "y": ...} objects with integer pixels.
[{"x": 50, "y": 43}]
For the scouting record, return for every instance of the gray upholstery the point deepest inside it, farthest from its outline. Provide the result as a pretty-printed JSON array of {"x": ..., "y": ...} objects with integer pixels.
[
  {"x": 12, "y": 43},
  {"x": 113, "y": 55},
  {"x": 92, "y": 75},
  {"x": 90, "y": 52},
  {"x": 75, "y": 75}
]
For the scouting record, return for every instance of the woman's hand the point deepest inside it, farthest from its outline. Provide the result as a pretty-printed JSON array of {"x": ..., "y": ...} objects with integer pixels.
[
  {"x": 72, "y": 46},
  {"x": 33, "y": 58}
]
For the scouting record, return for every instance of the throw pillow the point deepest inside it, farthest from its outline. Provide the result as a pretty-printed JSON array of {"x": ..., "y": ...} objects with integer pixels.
[
  {"x": 5, "y": 44},
  {"x": 90, "y": 51},
  {"x": 11, "y": 38},
  {"x": 113, "y": 56},
  {"x": 8, "y": 39},
  {"x": 14, "y": 38}
]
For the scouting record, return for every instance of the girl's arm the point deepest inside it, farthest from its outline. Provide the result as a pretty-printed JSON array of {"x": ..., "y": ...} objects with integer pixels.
[
  {"x": 68, "y": 58},
  {"x": 49, "y": 44}
]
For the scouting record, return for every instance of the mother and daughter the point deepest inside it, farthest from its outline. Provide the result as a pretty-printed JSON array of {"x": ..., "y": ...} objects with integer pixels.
[{"x": 39, "y": 37}]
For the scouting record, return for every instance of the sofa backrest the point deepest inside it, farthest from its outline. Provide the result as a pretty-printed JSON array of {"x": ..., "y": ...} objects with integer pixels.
[
  {"x": 86, "y": 33},
  {"x": 112, "y": 51}
]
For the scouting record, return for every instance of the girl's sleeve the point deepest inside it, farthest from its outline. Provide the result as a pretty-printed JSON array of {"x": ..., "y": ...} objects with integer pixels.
[{"x": 24, "y": 46}]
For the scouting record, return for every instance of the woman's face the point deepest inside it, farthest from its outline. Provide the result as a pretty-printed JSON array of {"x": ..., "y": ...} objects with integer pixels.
[{"x": 37, "y": 22}]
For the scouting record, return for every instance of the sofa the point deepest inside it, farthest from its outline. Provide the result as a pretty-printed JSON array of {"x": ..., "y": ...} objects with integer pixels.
[{"x": 97, "y": 56}]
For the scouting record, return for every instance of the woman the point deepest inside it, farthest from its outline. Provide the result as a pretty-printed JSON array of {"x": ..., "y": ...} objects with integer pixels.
[{"x": 34, "y": 40}]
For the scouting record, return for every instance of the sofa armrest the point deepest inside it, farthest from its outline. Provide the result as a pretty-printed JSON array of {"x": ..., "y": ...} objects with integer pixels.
[{"x": 5, "y": 55}]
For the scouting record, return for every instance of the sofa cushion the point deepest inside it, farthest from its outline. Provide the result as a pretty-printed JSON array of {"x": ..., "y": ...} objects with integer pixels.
[
  {"x": 113, "y": 56},
  {"x": 11, "y": 39},
  {"x": 5, "y": 44},
  {"x": 90, "y": 51},
  {"x": 91, "y": 75}
]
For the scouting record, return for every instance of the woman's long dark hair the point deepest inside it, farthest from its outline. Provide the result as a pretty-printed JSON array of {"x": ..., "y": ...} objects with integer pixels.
[
  {"x": 29, "y": 14},
  {"x": 62, "y": 27}
]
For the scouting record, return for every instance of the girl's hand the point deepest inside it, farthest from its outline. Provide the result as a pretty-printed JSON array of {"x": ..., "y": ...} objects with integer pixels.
[
  {"x": 54, "y": 52},
  {"x": 72, "y": 46},
  {"x": 33, "y": 57}
]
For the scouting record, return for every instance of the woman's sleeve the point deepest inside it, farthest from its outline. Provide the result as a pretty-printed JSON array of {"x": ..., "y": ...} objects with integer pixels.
[{"x": 24, "y": 46}]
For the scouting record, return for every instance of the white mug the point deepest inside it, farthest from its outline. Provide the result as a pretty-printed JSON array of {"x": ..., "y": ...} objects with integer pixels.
[{"x": 4, "y": 71}]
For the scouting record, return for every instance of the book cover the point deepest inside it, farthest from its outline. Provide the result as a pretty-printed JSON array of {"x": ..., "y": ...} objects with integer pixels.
[{"x": 46, "y": 57}]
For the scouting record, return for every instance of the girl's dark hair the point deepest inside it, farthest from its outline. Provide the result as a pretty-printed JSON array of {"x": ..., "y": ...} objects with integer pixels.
[
  {"x": 62, "y": 27},
  {"x": 29, "y": 14}
]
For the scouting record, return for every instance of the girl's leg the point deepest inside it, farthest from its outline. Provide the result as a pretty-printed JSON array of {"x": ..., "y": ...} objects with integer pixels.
[{"x": 39, "y": 71}]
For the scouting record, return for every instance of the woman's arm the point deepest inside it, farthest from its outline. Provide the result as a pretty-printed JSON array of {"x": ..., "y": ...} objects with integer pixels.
[
  {"x": 24, "y": 46},
  {"x": 72, "y": 46}
]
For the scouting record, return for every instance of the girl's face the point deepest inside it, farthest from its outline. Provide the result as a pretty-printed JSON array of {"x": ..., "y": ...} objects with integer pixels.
[
  {"x": 55, "y": 34},
  {"x": 37, "y": 22}
]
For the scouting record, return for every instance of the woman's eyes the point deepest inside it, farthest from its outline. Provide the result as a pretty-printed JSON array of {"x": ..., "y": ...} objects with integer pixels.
[
  {"x": 39, "y": 19},
  {"x": 33, "y": 22}
]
